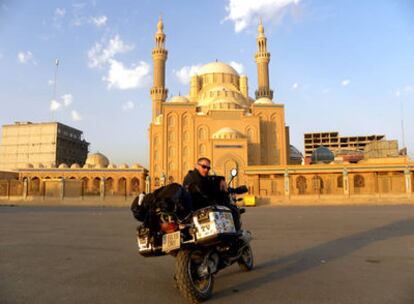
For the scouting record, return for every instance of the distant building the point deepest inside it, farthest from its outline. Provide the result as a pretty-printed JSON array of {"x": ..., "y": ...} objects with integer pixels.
[
  {"x": 41, "y": 145},
  {"x": 336, "y": 143}
]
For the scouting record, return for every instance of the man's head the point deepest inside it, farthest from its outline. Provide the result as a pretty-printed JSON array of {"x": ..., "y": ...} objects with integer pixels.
[{"x": 203, "y": 166}]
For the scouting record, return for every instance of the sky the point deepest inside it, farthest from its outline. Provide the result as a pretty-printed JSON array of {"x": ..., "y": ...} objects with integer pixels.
[{"x": 345, "y": 66}]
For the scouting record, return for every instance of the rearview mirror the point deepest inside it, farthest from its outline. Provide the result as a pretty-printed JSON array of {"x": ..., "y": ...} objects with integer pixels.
[{"x": 233, "y": 172}]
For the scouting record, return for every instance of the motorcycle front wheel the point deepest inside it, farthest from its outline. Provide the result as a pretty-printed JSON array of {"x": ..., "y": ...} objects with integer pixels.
[
  {"x": 190, "y": 283},
  {"x": 246, "y": 259}
]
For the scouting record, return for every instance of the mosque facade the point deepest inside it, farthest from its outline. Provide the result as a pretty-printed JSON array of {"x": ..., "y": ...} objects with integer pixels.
[{"x": 217, "y": 119}]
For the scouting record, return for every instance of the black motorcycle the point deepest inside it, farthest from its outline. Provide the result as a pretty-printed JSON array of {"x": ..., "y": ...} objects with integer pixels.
[{"x": 203, "y": 242}]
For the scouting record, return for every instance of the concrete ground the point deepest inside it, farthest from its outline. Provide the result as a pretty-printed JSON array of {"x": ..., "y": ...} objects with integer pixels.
[{"x": 330, "y": 254}]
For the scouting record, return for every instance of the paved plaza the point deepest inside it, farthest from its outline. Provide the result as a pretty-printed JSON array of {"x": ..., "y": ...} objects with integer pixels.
[{"x": 336, "y": 254}]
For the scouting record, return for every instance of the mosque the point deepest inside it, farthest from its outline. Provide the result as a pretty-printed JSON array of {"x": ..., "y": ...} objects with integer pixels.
[{"x": 218, "y": 119}]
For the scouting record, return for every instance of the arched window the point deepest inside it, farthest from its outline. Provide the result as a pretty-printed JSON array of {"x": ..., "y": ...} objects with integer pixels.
[
  {"x": 202, "y": 150},
  {"x": 170, "y": 179},
  {"x": 340, "y": 181},
  {"x": 301, "y": 184},
  {"x": 122, "y": 185},
  {"x": 317, "y": 184},
  {"x": 109, "y": 185},
  {"x": 202, "y": 133},
  {"x": 156, "y": 181},
  {"x": 135, "y": 185},
  {"x": 359, "y": 181},
  {"x": 96, "y": 185},
  {"x": 171, "y": 120}
]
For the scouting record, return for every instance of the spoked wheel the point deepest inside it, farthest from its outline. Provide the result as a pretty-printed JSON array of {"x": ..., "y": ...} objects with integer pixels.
[
  {"x": 193, "y": 281},
  {"x": 246, "y": 260}
]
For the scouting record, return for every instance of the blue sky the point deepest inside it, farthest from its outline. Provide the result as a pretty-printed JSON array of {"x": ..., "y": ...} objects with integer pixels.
[{"x": 336, "y": 65}]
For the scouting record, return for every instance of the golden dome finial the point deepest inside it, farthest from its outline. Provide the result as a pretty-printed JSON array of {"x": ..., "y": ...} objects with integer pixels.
[
  {"x": 260, "y": 28},
  {"x": 160, "y": 25}
]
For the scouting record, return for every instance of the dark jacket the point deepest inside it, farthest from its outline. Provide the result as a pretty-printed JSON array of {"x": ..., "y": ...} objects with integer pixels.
[{"x": 200, "y": 188}]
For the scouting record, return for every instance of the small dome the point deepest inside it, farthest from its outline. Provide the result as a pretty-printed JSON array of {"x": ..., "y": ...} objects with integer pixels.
[
  {"x": 217, "y": 67},
  {"x": 75, "y": 166},
  {"x": 123, "y": 166},
  {"x": 112, "y": 166},
  {"x": 227, "y": 133},
  {"x": 63, "y": 166},
  {"x": 39, "y": 166},
  {"x": 97, "y": 160},
  {"x": 136, "y": 166},
  {"x": 322, "y": 155},
  {"x": 50, "y": 165},
  {"x": 178, "y": 99},
  {"x": 27, "y": 166},
  {"x": 263, "y": 100}
]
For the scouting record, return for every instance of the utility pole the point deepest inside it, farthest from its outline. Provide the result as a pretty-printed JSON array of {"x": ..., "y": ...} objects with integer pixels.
[{"x": 54, "y": 85}]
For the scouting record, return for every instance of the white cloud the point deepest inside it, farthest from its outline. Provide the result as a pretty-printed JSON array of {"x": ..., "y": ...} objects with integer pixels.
[
  {"x": 237, "y": 66},
  {"x": 184, "y": 74},
  {"x": 67, "y": 99},
  {"x": 54, "y": 105},
  {"x": 405, "y": 90},
  {"x": 25, "y": 57},
  {"x": 58, "y": 16},
  {"x": 50, "y": 82},
  {"x": 99, "y": 21},
  {"x": 75, "y": 115},
  {"x": 345, "y": 82},
  {"x": 99, "y": 55},
  {"x": 295, "y": 86},
  {"x": 247, "y": 12},
  {"x": 59, "y": 13},
  {"x": 129, "y": 105},
  {"x": 120, "y": 77}
]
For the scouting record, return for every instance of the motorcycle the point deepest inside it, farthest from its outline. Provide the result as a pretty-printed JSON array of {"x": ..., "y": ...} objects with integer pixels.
[{"x": 203, "y": 243}]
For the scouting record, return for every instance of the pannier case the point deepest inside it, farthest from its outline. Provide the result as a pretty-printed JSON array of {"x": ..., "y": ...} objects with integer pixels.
[{"x": 213, "y": 224}]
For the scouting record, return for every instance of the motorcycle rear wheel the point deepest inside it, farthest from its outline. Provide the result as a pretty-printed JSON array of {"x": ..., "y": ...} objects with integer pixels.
[
  {"x": 246, "y": 261},
  {"x": 194, "y": 288}
]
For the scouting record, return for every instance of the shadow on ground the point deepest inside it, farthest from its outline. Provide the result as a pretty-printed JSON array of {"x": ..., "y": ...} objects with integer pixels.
[{"x": 309, "y": 258}]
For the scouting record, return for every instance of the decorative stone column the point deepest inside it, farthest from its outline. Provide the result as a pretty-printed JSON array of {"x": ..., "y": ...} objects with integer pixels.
[
  {"x": 25, "y": 188},
  {"x": 148, "y": 184},
  {"x": 345, "y": 182},
  {"x": 287, "y": 183},
  {"x": 102, "y": 188},
  {"x": 407, "y": 177},
  {"x": 62, "y": 188}
]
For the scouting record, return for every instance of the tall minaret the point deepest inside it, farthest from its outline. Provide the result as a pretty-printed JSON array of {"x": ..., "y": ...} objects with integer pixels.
[
  {"x": 262, "y": 61},
  {"x": 159, "y": 57}
]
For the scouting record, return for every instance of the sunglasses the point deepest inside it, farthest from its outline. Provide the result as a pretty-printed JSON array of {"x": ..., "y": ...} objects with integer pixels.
[{"x": 204, "y": 167}]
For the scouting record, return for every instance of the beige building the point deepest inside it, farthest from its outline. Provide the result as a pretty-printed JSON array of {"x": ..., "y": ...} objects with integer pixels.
[
  {"x": 336, "y": 143},
  {"x": 217, "y": 119},
  {"x": 41, "y": 145},
  {"x": 98, "y": 177}
]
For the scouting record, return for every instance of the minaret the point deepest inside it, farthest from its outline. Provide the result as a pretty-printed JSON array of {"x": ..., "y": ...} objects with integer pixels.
[
  {"x": 159, "y": 56},
  {"x": 262, "y": 61}
]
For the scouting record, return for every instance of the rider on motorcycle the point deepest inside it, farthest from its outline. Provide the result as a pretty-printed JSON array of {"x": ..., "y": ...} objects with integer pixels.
[{"x": 207, "y": 190}]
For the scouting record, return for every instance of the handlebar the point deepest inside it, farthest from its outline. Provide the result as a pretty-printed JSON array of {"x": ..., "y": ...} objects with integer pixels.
[{"x": 238, "y": 190}]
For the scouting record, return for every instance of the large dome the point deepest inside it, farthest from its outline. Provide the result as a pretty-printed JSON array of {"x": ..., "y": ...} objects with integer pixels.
[
  {"x": 217, "y": 67},
  {"x": 97, "y": 160}
]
